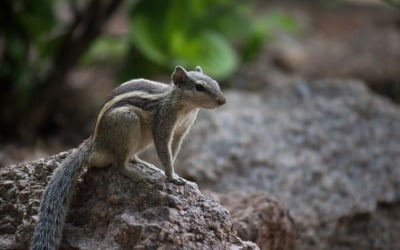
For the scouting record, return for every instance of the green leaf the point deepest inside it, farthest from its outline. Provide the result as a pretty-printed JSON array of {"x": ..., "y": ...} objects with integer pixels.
[
  {"x": 210, "y": 50},
  {"x": 105, "y": 50},
  {"x": 277, "y": 20},
  {"x": 393, "y": 3},
  {"x": 147, "y": 40}
]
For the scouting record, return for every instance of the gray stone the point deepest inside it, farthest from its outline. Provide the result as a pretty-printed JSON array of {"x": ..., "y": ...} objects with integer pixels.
[{"x": 330, "y": 150}]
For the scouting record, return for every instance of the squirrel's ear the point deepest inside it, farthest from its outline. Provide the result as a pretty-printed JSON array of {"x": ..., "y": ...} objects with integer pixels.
[
  {"x": 179, "y": 75},
  {"x": 198, "y": 69}
]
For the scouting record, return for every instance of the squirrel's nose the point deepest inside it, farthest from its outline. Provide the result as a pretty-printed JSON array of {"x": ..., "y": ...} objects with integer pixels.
[{"x": 221, "y": 100}]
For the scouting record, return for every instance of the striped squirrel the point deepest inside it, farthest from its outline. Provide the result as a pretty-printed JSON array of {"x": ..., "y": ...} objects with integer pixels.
[{"x": 136, "y": 114}]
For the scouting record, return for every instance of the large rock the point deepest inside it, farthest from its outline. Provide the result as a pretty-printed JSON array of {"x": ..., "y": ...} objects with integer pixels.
[
  {"x": 330, "y": 150},
  {"x": 110, "y": 211}
]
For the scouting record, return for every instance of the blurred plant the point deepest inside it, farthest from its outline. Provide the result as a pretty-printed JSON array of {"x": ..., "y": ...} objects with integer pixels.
[
  {"x": 190, "y": 33},
  {"x": 394, "y": 3},
  {"x": 24, "y": 39},
  {"x": 37, "y": 50}
]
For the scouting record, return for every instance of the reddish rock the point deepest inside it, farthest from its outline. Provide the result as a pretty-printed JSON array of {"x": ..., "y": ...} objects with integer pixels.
[{"x": 261, "y": 219}]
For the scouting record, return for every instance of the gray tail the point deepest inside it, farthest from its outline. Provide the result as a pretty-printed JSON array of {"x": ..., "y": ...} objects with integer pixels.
[{"x": 55, "y": 200}]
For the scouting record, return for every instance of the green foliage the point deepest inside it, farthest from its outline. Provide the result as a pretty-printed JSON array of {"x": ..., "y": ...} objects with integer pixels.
[
  {"x": 39, "y": 46},
  {"x": 216, "y": 34},
  {"x": 185, "y": 33},
  {"x": 27, "y": 26},
  {"x": 264, "y": 27},
  {"x": 106, "y": 50},
  {"x": 394, "y": 3}
]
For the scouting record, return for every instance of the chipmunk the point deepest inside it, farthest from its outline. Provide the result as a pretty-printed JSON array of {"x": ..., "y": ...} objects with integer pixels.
[{"x": 136, "y": 114}]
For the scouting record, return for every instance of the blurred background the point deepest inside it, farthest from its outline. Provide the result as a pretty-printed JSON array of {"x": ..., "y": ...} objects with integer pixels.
[
  {"x": 302, "y": 68},
  {"x": 60, "y": 59}
]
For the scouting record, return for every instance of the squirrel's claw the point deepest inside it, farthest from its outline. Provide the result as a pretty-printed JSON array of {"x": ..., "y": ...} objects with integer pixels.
[{"x": 175, "y": 179}]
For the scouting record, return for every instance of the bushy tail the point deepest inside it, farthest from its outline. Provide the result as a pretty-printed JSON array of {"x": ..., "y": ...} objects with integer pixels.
[{"x": 55, "y": 200}]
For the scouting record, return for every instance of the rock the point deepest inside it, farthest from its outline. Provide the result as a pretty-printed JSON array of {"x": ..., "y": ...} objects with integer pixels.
[
  {"x": 384, "y": 223},
  {"x": 261, "y": 219},
  {"x": 329, "y": 150},
  {"x": 110, "y": 211}
]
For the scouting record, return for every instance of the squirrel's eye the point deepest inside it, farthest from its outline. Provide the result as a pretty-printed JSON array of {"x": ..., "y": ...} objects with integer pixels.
[{"x": 200, "y": 88}]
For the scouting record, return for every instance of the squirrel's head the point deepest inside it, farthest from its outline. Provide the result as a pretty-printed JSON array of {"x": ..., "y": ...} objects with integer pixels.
[{"x": 197, "y": 88}]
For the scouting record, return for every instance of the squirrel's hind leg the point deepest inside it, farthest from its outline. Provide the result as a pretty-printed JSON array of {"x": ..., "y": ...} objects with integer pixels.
[{"x": 119, "y": 135}]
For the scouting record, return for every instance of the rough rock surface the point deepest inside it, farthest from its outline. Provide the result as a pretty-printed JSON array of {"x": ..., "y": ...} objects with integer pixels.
[
  {"x": 261, "y": 219},
  {"x": 330, "y": 150},
  {"x": 110, "y": 211}
]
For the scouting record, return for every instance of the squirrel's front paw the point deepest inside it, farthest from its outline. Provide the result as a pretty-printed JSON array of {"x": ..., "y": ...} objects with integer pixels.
[{"x": 176, "y": 180}]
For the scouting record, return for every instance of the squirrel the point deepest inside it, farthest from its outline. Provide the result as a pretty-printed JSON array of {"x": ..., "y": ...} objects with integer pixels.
[{"x": 136, "y": 114}]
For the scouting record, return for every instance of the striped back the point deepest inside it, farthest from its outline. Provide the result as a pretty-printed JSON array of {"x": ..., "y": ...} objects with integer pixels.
[{"x": 139, "y": 93}]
